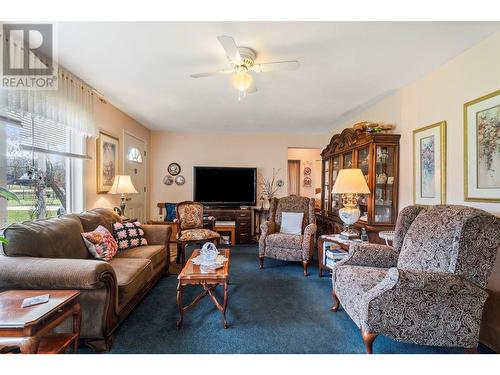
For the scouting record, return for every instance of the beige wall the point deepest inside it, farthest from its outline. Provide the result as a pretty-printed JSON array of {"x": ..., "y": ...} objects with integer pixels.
[
  {"x": 306, "y": 156},
  {"x": 263, "y": 151},
  {"x": 438, "y": 96},
  {"x": 435, "y": 97},
  {"x": 113, "y": 122}
]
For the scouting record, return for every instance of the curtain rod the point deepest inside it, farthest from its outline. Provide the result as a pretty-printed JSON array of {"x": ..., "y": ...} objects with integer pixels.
[{"x": 52, "y": 152}]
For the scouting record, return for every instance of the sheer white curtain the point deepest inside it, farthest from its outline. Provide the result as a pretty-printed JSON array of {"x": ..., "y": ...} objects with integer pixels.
[
  {"x": 70, "y": 106},
  {"x": 294, "y": 177}
]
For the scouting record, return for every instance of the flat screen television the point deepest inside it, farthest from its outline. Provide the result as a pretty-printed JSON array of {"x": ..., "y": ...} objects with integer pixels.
[{"x": 225, "y": 186}]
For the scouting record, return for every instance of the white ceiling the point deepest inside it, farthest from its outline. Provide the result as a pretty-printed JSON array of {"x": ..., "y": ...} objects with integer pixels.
[{"x": 143, "y": 68}]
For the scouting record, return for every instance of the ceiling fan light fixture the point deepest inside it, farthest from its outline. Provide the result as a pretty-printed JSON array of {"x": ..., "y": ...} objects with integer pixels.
[{"x": 242, "y": 80}]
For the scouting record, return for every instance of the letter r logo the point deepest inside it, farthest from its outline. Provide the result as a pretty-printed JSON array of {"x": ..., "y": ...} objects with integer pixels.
[{"x": 27, "y": 49}]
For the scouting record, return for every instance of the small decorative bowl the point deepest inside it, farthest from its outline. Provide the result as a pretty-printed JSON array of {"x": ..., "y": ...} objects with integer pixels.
[{"x": 209, "y": 252}]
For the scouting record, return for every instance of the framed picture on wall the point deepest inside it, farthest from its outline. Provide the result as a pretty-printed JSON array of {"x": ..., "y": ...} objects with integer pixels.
[
  {"x": 429, "y": 164},
  {"x": 482, "y": 149},
  {"x": 107, "y": 161}
]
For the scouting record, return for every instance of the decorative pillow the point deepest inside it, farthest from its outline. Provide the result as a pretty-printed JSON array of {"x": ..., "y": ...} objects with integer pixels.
[
  {"x": 100, "y": 243},
  {"x": 129, "y": 235},
  {"x": 291, "y": 222},
  {"x": 171, "y": 214}
]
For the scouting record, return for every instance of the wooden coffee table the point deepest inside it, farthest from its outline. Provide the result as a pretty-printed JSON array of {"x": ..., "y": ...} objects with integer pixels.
[
  {"x": 192, "y": 275},
  {"x": 30, "y": 329}
]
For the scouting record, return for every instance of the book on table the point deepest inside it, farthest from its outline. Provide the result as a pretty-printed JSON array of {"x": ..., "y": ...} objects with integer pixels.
[{"x": 332, "y": 254}]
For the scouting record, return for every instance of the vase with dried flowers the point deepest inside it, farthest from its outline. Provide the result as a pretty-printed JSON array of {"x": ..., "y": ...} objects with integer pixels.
[{"x": 271, "y": 186}]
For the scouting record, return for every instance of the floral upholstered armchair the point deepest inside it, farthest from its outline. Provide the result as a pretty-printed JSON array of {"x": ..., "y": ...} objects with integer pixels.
[
  {"x": 190, "y": 227},
  {"x": 429, "y": 288},
  {"x": 298, "y": 248}
]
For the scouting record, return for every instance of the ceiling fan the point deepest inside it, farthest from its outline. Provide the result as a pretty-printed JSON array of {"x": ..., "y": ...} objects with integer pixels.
[{"x": 242, "y": 60}]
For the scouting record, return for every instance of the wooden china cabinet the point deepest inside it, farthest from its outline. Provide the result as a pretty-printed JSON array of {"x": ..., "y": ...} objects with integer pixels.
[{"x": 377, "y": 155}]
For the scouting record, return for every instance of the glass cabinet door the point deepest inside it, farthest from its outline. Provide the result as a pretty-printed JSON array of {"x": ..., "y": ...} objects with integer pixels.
[
  {"x": 364, "y": 165},
  {"x": 326, "y": 185},
  {"x": 336, "y": 198},
  {"x": 347, "y": 160},
  {"x": 384, "y": 182}
]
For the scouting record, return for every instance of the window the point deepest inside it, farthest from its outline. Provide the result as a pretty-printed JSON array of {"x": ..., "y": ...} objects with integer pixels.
[
  {"x": 134, "y": 155},
  {"x": 42, "y": 163}
]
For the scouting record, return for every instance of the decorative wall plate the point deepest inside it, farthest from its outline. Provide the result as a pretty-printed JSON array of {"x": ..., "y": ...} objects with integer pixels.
[
  {"x": 307, "y": 171},
  {"x": 307, "y": 182},
  {"x": 180, "y": 180},
  {"x": 168, "y": 180},
  {"x": 174, "y": 169}
]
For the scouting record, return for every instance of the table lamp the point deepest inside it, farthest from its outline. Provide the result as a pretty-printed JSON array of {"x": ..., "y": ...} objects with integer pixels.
[
  {"x": 350, "y": 183},
  {"x": 122, "y": 185}
]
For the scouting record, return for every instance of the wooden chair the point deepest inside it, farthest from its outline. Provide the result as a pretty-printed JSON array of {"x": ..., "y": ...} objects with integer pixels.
[{"x": 190, "y": 227}]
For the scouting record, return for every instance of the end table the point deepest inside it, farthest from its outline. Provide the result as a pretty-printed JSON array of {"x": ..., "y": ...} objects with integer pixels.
[
  {"x": 331, "y": 238},
  {"x": 29, "y": 329}
]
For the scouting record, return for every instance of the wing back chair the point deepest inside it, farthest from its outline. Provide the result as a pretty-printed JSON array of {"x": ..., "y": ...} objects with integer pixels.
[
  {"x": 298, "y": 248},
  {"x": 429, "y": 288},
  {"x": 190, "y": 227}
]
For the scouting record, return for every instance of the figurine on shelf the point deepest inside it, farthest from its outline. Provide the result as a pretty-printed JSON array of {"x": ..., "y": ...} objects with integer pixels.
[{"x": 381, "y": 178}]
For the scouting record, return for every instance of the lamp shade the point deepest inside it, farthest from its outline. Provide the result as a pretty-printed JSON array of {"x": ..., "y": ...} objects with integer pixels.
[
  {"x": 350, "y": 181},
  {"x": 122, "y": 185}
]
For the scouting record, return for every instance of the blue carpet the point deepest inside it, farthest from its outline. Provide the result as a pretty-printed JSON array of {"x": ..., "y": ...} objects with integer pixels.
[{"x": 274, "y": 310}]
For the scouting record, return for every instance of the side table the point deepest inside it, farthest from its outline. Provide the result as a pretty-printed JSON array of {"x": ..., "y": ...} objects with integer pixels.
[
  {"x": 30, "y": 328},
  {"x": 260, "y": 215},
  {"x": 331, "y": 238},
  {"x": 227, "y": 228}
]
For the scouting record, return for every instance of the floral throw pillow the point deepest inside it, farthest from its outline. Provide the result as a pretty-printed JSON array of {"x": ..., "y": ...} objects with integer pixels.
[
  {"x": 100, "y": 243},
  {"x": 129, "y": 235}
]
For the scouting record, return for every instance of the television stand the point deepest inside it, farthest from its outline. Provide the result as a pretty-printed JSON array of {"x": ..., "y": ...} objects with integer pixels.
[{"x": 242, "y": 218}]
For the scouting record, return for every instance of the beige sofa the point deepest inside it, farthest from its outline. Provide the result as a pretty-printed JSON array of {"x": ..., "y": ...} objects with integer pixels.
[{"x": 51, "y": 254}]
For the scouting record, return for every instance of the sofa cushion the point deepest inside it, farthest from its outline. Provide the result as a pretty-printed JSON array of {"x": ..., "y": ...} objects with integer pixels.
[
  {"x": 351, "y": 284},
  {"x": 132, "y": 275},
  {"x": 58, "y": 237},
  {"x": 290, "y": 241},
  {"x": 155, "y": 253},
  {"x": 91, "y": 219}
]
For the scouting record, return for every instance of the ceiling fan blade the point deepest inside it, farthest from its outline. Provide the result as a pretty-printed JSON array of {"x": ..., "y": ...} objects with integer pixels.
[
  {"x": 275, "y": 66},
  {"x": 231, "y": 49},
  {"x": 210, "y": 74}
]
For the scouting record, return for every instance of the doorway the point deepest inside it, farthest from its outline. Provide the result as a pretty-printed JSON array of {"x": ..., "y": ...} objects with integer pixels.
[
  {"x": 134, "y": 150},
  {"x": 304, "y": 172}
]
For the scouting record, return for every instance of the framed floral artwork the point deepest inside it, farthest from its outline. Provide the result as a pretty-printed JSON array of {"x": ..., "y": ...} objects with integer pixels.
[
  {"x": 107, "y": 161},
  {"x": 429, "y": 164},
  {"x": 482, "y": 149}
]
